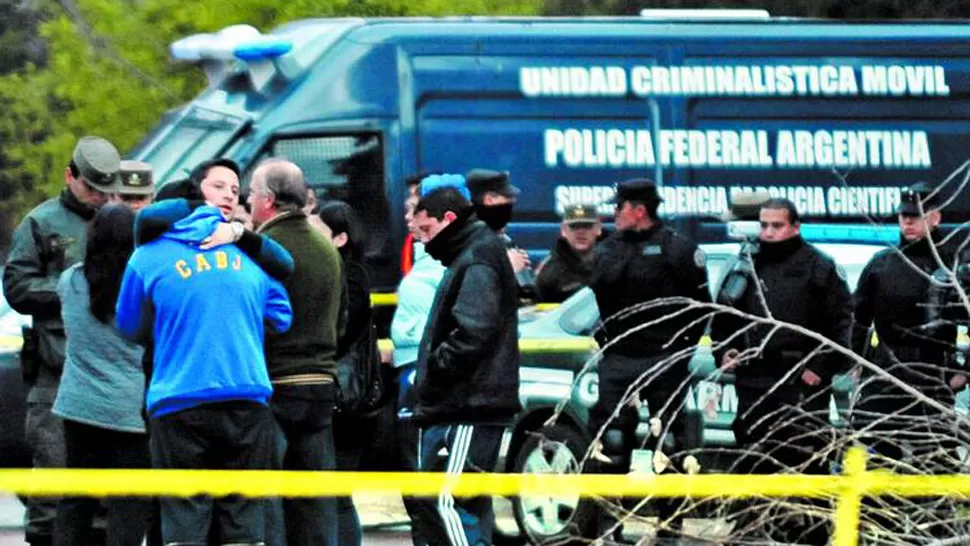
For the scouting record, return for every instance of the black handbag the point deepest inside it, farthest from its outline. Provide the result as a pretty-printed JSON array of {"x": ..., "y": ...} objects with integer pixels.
[{"x": 362, "y": 387}]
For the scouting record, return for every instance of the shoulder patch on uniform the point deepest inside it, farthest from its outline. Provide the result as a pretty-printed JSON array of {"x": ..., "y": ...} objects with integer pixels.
[
  {"x": 700, "y": 258},
  {"x": 840, "y": 271}
]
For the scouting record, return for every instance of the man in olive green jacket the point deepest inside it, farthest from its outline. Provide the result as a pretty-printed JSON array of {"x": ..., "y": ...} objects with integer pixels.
[
  {"x": 301, "y": 362},
  {"x": 51, "y": 238}
]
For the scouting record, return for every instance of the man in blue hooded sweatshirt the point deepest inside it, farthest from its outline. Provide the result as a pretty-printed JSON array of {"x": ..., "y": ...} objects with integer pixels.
[{"x": 209, "y": 390}]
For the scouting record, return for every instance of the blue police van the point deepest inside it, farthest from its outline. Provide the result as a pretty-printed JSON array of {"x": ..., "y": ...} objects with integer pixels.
[{"x": 836, "y": 116}]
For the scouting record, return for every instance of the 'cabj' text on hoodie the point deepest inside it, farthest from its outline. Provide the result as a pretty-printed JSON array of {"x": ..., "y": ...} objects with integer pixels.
[{"x": 205, "y": 311}]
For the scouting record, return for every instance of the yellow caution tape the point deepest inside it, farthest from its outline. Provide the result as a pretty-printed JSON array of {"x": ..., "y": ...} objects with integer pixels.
[
  {"x": 557, "y": 345},
  {"x": 378, "y": 299},
  {"x": 848, "y": 488},
  {"x": 534, "y": 345},
  {"x": 265, "y": 483}
]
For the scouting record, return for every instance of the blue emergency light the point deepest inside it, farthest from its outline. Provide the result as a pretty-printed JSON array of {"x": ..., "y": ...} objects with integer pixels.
[
  {"x": 262, "y": 49},
  {"x": 242, "y": 42}
]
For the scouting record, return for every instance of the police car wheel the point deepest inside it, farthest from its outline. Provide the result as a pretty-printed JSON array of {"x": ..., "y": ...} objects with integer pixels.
[{"x": 548, "y": 519}]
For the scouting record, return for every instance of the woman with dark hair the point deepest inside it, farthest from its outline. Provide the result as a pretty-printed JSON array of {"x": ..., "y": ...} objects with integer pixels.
[
  {"x": 102, "y": 388},
  {"x": 351, "y": 434}
]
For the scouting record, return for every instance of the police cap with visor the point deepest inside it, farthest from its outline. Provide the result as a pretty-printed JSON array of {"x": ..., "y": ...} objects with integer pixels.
[
  {"x": 97, "y": 162},
  {"x": 637, "y": 190},
  {"x": 914, "y": 196}
]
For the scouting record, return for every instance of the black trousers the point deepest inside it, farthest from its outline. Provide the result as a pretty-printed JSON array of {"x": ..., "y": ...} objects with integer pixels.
[
  {"x": 304, "y": 420},
  {"x": 128, "y": 517},
  {"x": 664, "y": 395},
  {"x": 218, "y": 436},
  {"x": 786, "y": 430}
]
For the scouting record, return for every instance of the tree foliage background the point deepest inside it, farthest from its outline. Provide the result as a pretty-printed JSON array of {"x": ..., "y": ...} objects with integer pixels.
[{"x": 75, "y": 67}]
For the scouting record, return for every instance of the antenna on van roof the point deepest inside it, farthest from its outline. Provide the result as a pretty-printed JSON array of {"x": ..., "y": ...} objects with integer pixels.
[{"x": 736, "y": 14}]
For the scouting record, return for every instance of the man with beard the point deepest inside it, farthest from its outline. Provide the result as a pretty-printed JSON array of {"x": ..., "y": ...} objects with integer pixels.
[{"x": 570, "y": 264}]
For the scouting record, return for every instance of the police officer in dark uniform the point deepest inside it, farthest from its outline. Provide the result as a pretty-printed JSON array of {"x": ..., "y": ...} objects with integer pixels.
[
  {"x": 645, "y": 262},
  {"x": 783, "y": 378},
  {"x": 914, "y": 343},
  {"x": 569, "y": 265},
  {"x": 49, "y": 240},
  {"x": 494, "y": 197}
]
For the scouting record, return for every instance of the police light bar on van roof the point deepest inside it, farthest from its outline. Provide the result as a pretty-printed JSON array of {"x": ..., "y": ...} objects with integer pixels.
[
  {"x": 705, "y": 13},
  {"x": 242, "y": 42}
]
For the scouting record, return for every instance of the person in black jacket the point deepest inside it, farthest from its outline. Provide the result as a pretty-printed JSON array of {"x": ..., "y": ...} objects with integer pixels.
[
  {"x": 569, "y": 265},
  {"x": 493, "y": 197},
  {"x": 914, "y": 348},
  {"x": 467, "y": 380},
  {"x": 351, "y": 433},
  {"x": 782, "y": 376},
  {"x": 644, "y": 263}
]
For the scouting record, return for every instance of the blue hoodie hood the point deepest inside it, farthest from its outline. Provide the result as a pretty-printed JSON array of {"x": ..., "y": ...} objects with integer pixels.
[
  {"x": 206, "y": 311},
  {"x": 195, "y": 227}
]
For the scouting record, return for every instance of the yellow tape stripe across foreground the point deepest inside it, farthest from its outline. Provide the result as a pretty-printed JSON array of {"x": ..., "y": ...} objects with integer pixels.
[{"x": 848, "y": 488}]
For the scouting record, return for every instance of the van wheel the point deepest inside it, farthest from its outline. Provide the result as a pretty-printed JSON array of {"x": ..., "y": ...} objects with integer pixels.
[{"x": 547, "y": 519}]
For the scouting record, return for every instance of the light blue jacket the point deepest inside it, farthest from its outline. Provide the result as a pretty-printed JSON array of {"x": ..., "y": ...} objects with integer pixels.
[{"x": 414, "y": 298}]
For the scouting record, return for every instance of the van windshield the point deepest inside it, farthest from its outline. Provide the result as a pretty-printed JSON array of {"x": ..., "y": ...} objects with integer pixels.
[{"x": 199, "y": 134}]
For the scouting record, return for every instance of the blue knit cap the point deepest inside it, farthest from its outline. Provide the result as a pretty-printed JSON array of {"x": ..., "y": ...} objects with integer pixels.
[{"x": 437, "y": 181}]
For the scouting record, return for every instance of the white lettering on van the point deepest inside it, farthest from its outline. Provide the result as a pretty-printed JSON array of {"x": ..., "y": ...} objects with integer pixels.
[
  {"x": 567, "y": 196},
  {"x": 618, "y": 148},
  {"x": 898, "y": 81},
  {"x": 572, "y": 81},
  {"x": 770, "y": 80},
  {"x": 712, "y": 201},
  {"x": 853, "y": 149}
]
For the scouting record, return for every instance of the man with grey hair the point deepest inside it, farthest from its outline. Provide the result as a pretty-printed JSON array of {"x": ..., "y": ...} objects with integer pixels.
[{"x": 301, "y": 362}]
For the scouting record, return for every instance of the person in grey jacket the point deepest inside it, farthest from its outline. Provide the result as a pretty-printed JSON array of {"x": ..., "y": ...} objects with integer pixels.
[
  {"x": 50, "y": 239},
  {"x": 102, "y": 388}
]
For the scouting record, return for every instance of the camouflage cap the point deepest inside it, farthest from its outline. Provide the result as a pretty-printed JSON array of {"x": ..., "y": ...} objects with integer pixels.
[
  {"x": 135, "y": 178},
  {"x": 580, "y": 214},
  {"x": 97, "y": 162}
]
